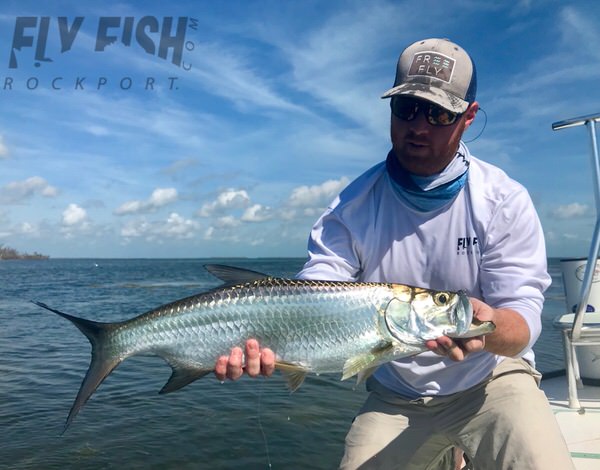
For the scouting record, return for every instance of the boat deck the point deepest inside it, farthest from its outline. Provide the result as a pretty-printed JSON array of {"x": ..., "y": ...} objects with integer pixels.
[{"x": 581, "y": 430}]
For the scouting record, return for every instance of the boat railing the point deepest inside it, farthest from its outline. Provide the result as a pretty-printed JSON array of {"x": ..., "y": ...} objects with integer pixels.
[{"x": 581, "y": 329}]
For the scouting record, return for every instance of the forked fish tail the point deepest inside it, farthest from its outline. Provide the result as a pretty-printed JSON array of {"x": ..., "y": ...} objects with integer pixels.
[{"x": 103, "y": 361}]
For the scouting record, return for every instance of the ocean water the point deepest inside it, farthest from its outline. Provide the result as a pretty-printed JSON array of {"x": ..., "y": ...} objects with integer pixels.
[{"x": 248, "y": 424}]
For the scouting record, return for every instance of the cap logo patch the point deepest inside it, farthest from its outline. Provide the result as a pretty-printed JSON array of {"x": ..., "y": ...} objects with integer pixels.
[{"x": 432, "y": 64}]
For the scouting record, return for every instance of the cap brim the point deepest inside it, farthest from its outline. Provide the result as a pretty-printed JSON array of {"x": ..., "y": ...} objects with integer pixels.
[{"x": 435, "y": 95}]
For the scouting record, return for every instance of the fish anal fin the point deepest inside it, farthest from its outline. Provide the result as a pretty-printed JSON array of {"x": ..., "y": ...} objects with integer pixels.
[
  {"x": 294, "y": 374},
  {"x": 183, "y": 374},
  {"x": 364, "y": 374},
  {"x": 366, "y": 362}
]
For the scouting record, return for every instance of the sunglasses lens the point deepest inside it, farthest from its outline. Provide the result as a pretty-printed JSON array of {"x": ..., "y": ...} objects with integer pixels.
[
  {"x": 438, "y": 116},
  {"x": 404, "y": 108}
]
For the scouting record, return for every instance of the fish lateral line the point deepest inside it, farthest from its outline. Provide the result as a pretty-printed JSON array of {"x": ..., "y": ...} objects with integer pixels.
[{"x": 111, "y": 343}]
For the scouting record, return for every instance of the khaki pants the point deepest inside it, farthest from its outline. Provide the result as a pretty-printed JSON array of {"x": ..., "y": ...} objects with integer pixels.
[{"x": 503, "y": 423}]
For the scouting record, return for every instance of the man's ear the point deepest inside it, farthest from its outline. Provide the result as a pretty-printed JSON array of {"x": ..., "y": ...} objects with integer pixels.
[{"x": 470, "y": 113}]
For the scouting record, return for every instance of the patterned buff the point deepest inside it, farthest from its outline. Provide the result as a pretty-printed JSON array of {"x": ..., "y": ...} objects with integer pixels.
[{"x": 428, "y": 193}]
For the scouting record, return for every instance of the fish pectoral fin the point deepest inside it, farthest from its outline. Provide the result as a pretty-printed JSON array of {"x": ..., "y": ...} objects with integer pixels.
[
  {"x": 183, "y": 374},
  {"x": 365, "y": 364},
  {"x": 294, "y": 374}
]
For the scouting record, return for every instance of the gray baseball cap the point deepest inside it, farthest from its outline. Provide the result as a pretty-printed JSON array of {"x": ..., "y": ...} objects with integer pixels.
[{"x": 436, "y": 70}]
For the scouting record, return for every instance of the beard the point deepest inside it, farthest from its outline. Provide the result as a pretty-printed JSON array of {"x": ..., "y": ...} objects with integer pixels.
[{"x": 425, "y": 154}]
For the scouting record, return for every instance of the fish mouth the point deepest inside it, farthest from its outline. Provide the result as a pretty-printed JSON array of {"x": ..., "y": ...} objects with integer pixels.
[
  {"x": 477, "y": 328},
  {"x": 464, "y": 313},
  {"x": 468, "y": 326}
]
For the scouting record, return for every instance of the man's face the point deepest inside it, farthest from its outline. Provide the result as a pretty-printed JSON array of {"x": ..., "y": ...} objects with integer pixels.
[{"x": 424, "y": 149}]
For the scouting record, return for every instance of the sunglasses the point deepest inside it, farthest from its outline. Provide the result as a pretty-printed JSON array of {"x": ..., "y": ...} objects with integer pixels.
[{"x": 406, "y": 108}]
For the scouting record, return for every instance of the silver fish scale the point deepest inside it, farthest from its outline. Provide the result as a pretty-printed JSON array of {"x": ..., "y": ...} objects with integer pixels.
[
  {"x": 318, "y": 324},
  {"x": 313, "y": 326}
]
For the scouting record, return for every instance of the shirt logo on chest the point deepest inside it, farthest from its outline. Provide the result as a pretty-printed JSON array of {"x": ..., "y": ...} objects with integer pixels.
[{"x": 467, "y": 246}]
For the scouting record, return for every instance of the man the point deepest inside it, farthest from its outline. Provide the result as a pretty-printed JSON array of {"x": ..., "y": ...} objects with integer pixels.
[{"x": 432, "y": 215}]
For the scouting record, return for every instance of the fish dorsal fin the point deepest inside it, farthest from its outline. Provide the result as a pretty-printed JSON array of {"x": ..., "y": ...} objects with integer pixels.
[
  {"x": 233, "y": 275},
  {"x": 294, "y": 374},
  {"x": 366, "y": 362},
  {"x": 183, "y": 374}
]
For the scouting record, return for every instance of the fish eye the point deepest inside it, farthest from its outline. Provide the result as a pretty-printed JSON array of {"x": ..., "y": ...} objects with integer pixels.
[{"x": 441, "y": 298}]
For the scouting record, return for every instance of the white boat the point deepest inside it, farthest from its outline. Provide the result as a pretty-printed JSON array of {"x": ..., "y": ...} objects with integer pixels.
[
  {"x": 580, "y": 426},
  {"x": 575, "y": 395}
]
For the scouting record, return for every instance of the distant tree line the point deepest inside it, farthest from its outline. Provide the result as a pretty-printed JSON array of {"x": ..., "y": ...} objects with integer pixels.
[{"x": 10, "y": 253}]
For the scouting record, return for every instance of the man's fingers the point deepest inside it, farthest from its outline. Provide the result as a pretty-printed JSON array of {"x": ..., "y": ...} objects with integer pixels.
[
  {"x": 221, "y": 368},
  {"x": 267, "y": 362},
  {"x": 454, "y": 352},
  {"x": 474, "y": 344},
  {"x": 433, "y": 346},
  {"x": 252, "y": 358},
  {"x": 259, "y": 362},
  {"x": 253, "y": 361},
  {"x": 234, "y": 366},
  {"x": 445, "y": 346}
]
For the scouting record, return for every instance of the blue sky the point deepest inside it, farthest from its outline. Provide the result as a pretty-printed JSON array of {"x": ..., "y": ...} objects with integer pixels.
[{"x": 274, "y": 109}]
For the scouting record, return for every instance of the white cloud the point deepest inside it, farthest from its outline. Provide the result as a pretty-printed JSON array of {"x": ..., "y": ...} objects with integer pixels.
[
  {"x": 160, "y": 197},
  {"x": 570, "y": 62},
  {"x": 130, "y": 207},
  {"x": 223, "y": 234},
  {"x": 580, "y": 30},
  {"x": 27, "y": 228},
  {"x": 99, "y": 131},
  {"x": 332, "y": 64},
  {"x": 228, "y": 73},
  {"x": 257, "y": 213},
  {"x": 74, "y": 215},
  {"x": 315, "y": 82},
  {"x": 3, "y": 149},
  {"x": 570, "y": 211},
  {"x": 174, "y": 227},
  {"x": 226, "y": 221},
  {"x": 318, "y": 196},
  {"x": 18, "y": 191},
  {"x": 228, "y": 199},
  {"x": 135, "y": 229},
  {"x": 179, "y": 227},
  {"x": 74, "y": 221}
]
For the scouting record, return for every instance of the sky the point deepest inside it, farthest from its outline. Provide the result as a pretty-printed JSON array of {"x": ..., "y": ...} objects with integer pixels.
[{"x": 232, "y": 138}]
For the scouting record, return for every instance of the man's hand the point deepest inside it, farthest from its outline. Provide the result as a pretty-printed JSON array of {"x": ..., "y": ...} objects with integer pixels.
[
  {"x": 257, "y": 362},
  {"x": 457, "y": 349}
]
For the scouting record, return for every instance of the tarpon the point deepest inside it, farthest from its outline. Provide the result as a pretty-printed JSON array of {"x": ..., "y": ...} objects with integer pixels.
[{"x": 311, "y": 326}]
